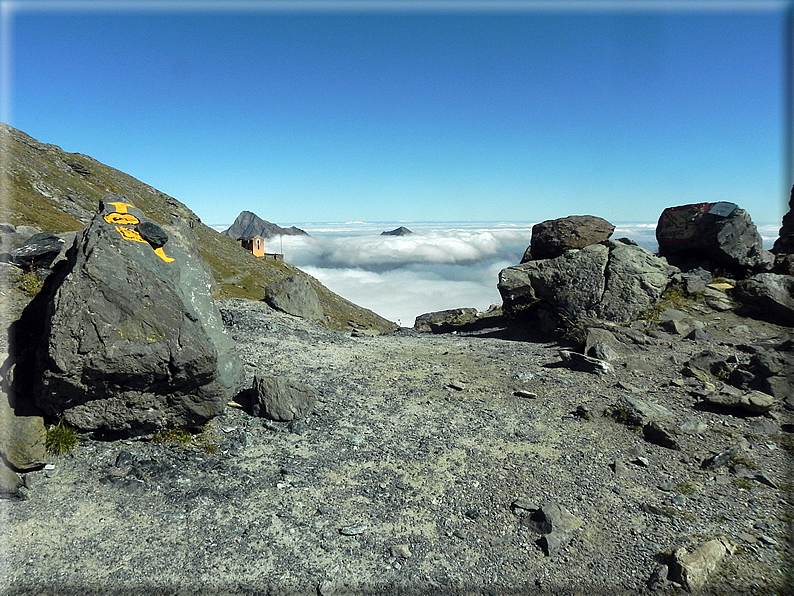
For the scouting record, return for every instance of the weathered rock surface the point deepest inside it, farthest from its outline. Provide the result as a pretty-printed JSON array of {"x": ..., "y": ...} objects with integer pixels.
[
  {"x": 655, "y": 433},
  {"x": 751, "y": 402},
  {"x": 22, "y": 438},
  {"x": 604, "y": 345},
  {"x": 582, "y": 362},
  {"x": 770, "y": 296},
  {"x": 692, "y": 570},
  {"x": 720, "y": 233},
  {"x": 553, "y": 237},
  {"x": 10, "y": 484},
  {"x": 440, "y": 319},
  {"x": 295, "y": 296},
  {"x": 12, "y": 236},
  {"x": 40, "y": 250},
  {"x": 132, "y": 339},
  {"x": 637, "y": 412},
  {"x": 610, "y": 280},
  {"x": 556, "y": 526},
  {"x": 278, "y": 398}
]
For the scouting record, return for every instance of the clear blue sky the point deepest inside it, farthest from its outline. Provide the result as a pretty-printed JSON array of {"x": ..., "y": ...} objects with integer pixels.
[{"x": 522, "y": 113}]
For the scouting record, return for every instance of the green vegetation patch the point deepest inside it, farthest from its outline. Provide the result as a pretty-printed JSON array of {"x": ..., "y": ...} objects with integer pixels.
[
  {"x": 174, "y": 435},
  {"x": 30, "y": 283},
  {"x": 61, "y": 439}
]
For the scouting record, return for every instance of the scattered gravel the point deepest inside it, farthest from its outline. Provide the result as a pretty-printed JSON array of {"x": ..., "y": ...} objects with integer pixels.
[{"x": 417, "y": 472}]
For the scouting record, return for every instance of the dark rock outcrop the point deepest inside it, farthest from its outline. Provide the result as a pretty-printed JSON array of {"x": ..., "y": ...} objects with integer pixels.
[
  {"x": 40, "y": 250},
  {"x": 132, "y": 340},
  {"x": 295, "y": 296},
  {"x": 784, "y": 245},
  {"x": 769, "y": 296},
  {"x": 609, "y": 280},
  {"x": 720, "y": 234},
  {"x": 248, "y": 225},
  {"x": 553, "y": 237},
  {"x": 401, "y": 231}
]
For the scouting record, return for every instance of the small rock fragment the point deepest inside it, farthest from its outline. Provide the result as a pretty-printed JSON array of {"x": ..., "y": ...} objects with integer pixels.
[
  {"x": 326, "y": 588},
  {"x": 353, "y": 530},
  {"x": 522, "y": 507},
  {"x": 525, "y": 394},
  {"x": 577, "y": 361},
  {"x": 556, "y": 526},
  {"x": 764, "y": 479},
  {"x": 620, "y": 469},
  {"x": 400, "y": 551},
  {"x": 717, "y": 461},
  {"x": 657, "y": 435}
]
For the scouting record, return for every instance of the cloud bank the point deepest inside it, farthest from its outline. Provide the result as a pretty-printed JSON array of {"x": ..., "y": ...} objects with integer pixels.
[{"x": 439, "y": 266}]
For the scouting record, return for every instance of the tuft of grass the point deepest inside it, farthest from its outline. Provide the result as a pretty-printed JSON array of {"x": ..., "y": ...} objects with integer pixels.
[
  {"x": 174, "y": 435},
  {"x": 738, "y": 460},
  {"x": 674, "y": 295},
  {"x": 744, "y": 483},
  {"x": 60, "y": 439},
  {"x": 685, "y": 488},
  {"x": 203, "y": 440},
  {"x": 30, "y": 283}
]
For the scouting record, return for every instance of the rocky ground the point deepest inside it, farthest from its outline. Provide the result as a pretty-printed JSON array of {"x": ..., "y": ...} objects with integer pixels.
[{"x": 418, "y": 472}]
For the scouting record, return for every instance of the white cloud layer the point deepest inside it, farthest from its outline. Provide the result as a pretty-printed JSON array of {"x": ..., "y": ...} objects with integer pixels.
[{"x": 435, "y": 268}]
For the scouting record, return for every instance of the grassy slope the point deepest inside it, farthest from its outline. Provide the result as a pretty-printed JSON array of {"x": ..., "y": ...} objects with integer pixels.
[{"x": 52, "y": 190}]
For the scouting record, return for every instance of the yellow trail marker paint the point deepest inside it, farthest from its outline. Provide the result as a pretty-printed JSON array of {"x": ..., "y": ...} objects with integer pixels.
[
  {"x": 120, "y": 207},
  {"x": 159, "y": 252},
  {"x": 128, "y": 219},
  {"x": 130, "y": 234}
]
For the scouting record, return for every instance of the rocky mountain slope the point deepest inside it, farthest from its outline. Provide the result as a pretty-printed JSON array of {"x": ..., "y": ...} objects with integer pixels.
[
  {"x": 248, "y": 224},
  {"x": 56, "y": 191}
]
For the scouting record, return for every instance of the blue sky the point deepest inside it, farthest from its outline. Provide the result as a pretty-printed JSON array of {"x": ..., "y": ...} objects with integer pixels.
[{"x": 460, "y": 112}]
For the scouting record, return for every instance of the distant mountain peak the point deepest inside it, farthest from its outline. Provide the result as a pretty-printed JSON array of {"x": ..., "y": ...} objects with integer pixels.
[
  {"x": 401, "y": 231},
  {"x": 249, "y": 224}
]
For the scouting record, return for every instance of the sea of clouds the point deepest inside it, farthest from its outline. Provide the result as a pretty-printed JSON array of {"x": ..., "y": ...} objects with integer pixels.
[{"x": 439, "y": 266}]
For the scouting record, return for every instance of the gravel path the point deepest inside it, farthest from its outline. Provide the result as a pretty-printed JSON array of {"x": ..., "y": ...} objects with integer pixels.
[{"x": 414, "y": 474}]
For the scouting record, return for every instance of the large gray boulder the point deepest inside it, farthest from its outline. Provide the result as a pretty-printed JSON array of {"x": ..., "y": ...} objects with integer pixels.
[
  {"x": 553, "y": 237},
  {"x": 720, "y": 233},
  {"x": 770, "y": 297},
  {"x": 295, "y": 296},
  {"x": 132, "y": 340},
  {"x": 610, "y": 280}
]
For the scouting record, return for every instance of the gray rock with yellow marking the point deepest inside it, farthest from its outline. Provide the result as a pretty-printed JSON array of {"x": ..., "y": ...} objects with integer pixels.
[{"x": 132, "y": 340}]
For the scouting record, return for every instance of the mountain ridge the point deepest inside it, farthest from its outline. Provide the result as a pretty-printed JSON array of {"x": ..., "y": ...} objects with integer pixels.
[{"x": 50, "y": 189}]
